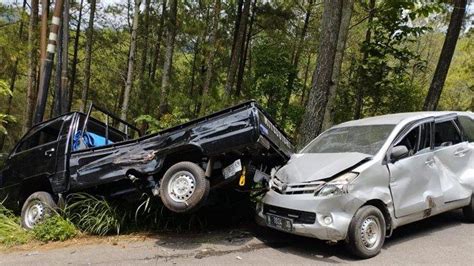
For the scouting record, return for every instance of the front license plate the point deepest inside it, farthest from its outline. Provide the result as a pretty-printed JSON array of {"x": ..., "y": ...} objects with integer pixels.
[{"x": 278, "y": 222}]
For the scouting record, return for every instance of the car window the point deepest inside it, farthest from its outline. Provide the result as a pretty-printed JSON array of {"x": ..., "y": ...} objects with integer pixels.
[
  {"x": 95, "y": 135},
  {"x": 417, "y": 140},
  {"x": 446, "y": 134},
  {"x": 467, "y": 125},
  {"x": 44, "y": 134},
  {"x": 364, "y": 139}
]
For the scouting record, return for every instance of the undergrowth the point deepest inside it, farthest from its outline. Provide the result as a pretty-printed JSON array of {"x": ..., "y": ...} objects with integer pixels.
[
  {"x": 87, "y": 214},
  {"x": 11, "y": 233}
]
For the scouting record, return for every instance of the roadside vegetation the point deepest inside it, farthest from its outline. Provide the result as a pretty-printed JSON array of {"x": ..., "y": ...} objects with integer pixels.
[{"x": 84, "y": 214}]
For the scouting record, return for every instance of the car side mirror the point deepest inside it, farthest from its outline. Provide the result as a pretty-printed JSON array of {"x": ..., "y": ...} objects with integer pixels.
[{"x": 398, "y": 152}]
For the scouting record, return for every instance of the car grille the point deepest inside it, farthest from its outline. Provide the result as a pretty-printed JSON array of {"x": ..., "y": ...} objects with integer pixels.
[
  {"x": 298, "y": 217},
  {"x": 295, "y": 188}
]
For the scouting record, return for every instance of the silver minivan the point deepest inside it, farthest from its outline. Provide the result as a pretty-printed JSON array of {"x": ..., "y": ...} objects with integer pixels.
[{"x": 359, "y": 180}]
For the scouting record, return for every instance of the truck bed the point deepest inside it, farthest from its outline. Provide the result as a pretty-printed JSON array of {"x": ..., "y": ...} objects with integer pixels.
[{"x": 242, "y": 130}]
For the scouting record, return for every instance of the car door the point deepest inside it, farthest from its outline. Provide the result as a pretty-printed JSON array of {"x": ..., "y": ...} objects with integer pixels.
[
  {"x": 36, "y": 155},
  {"x": 453, "y": 157},
  {"x": 414, "y": 180}
]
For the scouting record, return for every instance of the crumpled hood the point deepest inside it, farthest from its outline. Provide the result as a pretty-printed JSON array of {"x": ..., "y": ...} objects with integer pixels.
[{"x": 305, "y": 167}]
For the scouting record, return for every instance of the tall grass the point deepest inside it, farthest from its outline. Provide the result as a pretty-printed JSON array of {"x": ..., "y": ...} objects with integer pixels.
[
  {"x": 11, "y": 233},
  {"x": 93, "y": 215}
]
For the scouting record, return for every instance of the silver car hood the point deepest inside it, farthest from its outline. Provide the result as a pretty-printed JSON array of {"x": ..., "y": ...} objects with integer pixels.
[{"x": 306, "y": 167}]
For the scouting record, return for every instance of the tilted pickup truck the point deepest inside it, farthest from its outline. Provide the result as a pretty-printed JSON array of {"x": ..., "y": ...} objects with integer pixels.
[{"x": 76, "y": 152}]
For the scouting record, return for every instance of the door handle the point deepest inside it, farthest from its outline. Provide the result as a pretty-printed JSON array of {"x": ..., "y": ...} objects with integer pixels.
[
  {"x": 49, "y": 152},
  {"x": 429, "y": 162},
  {"x": 460, "y": 153}
]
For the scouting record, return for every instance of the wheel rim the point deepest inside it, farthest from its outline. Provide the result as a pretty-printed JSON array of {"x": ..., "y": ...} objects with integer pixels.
[
  {"x": 371, "y": 232},
  {"x": 35, "y": 213},
  {"x": 181, "y": 186}
]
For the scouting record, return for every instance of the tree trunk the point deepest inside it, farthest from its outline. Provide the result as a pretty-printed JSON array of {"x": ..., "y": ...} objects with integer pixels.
[
  {"x": 318, "y": 97},
  {"x": 305, "y": 81},
  {"x": 368, "y": 36},
  {"x": 243, "y": 57},
  {"x": 296, "y": 60},
  {"x": 44, "y": 28},
  {"x": 347, "y": 7},
  {"x": 56, "y": 109},
  {"x": 87, "y": 66},
  {"x": 74, "y": 56},
  {"x": 159, "y": 37},
  {"x": 170, "y": 38},
  {"x": 32, "y": 58},
  {"x": 210, "y": 58},
  {"x": 439, "y": 77},
  {"x": 65, "y": 92},
  {"x": 131, "y": 61},
  {"x": 237, "y": 51},
  {"x": 144, "y": 89}
]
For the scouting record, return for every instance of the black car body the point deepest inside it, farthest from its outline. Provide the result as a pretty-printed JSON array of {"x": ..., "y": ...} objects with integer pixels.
[{"x": 76, "y": 152}]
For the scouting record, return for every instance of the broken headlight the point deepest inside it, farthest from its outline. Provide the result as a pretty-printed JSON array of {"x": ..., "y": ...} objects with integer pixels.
[{"x": 337, "y": 186}]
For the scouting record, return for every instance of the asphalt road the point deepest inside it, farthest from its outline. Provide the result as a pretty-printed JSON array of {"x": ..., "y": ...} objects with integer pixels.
[{"x": 439, "y": 240}]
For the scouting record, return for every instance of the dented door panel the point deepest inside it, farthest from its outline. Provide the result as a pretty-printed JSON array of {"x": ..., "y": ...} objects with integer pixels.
[
  {"x": 415, "y": 184},
  {"x": 454, "y": 163}
]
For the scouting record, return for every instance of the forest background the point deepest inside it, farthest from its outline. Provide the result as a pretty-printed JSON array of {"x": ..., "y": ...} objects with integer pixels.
[{"x": 309, "y": 63}]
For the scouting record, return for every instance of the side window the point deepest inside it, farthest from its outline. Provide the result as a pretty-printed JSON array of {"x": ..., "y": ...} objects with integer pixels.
[
  {"x": 467, "y": 125},
  {"x": 45, "y": 134},
  {"x": 425, "y": 138},
  {"x": 446, "y": 134},
  {"x": 418, "y": 140},
  {"x": 95, "y": 135},
  {"x": 411, "y": 141}
]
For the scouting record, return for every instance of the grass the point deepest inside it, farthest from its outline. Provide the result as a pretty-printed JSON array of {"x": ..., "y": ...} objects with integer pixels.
[
  {"x": 56, "y": 228},
  {"x": 11, "y": 233},
  {"x": 87, "y": 214},
  {"x": 93, "y": 215}
]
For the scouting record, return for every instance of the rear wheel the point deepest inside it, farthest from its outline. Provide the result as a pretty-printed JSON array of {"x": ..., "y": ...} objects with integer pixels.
[
  {"x": 184, "y": 187},
  {"x": 36, "y": 209},
  {"x": 468, "y": 211},
  {"x": 366, "y": 232}
]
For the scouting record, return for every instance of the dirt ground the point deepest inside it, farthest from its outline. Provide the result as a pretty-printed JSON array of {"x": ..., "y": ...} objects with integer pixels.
[{"x": 443, "y": 239}]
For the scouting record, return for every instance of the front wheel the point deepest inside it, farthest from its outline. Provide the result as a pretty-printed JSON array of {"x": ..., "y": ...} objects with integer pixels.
[
  {"x": 37, "y": 207},
  {"x": 184, "y": 187},
  {"x": 366, "y": 232},
  {"x": 468, "y": 211}
]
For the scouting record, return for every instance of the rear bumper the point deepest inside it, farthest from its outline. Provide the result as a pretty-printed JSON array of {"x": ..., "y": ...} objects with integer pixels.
[{"x": 322, "y": 218}]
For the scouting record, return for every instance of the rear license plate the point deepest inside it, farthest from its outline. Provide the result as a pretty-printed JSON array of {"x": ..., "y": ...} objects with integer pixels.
[{"x": 278, "y": 222}]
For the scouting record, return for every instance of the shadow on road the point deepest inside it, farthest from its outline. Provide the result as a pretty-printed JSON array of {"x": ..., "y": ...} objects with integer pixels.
[{"x": 240, "y": 240}]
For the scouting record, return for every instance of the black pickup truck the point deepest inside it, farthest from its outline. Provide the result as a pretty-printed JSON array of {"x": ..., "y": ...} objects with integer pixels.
[{"x": 78, "y": 152}]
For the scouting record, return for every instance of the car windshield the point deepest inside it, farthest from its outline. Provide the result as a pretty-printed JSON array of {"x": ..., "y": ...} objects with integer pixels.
[{"x": 363, "y": 139}]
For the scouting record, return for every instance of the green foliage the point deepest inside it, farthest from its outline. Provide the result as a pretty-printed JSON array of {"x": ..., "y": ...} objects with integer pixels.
[
  {"x": 93, "y": 215},
  {"x": 5, "y": 119},
  {"x": 385, "y": 73},
  {"x": 166, "y": 121},
  {"x": 55, "y": 228},
  {"x": 11, "y": 233}
]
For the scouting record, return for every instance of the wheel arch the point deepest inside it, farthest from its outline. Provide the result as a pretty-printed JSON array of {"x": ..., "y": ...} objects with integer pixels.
[
  {"x": 34, "y": 184},
  {"x": 379, "y": 204},
  {"x": 189, "y": 152}
]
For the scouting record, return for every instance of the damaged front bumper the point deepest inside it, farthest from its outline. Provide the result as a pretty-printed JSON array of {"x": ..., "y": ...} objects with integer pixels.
[{"x": 325, "y": 218}]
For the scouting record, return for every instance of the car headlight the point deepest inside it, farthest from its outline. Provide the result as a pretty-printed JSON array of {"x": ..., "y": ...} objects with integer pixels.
[{"x": 337, "y": 186}]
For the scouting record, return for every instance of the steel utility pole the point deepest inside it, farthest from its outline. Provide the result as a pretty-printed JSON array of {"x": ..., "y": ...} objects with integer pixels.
[{"x": 47, "y": 63}]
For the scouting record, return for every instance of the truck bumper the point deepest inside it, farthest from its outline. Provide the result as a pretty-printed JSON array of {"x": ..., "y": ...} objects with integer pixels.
[{"x": 321, "y": 218}]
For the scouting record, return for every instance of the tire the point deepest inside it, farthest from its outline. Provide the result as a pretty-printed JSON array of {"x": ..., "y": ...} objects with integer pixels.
[
  {"x": 468, "y": 211},
  {"x": 360, "y": 241},
  {"x": 37, "y": 207},
  {"x": 184, "y": 187}
]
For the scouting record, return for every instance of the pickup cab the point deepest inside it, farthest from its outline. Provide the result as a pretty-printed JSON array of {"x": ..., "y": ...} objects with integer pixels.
[{"x": 79, "y": 152}]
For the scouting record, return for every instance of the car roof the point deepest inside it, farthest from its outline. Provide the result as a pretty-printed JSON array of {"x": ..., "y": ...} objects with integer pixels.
[{"x": 395, "y": 119}]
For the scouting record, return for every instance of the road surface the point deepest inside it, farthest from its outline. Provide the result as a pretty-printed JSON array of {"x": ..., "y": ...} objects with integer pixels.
[{"x": 443, "y": 239}]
